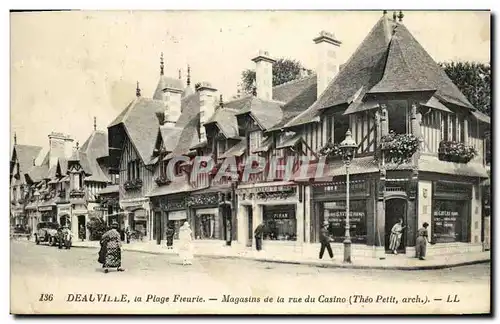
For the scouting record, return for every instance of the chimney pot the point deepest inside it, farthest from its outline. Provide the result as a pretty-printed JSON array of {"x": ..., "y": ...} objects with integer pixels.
[{"x": 327, "y": 63}]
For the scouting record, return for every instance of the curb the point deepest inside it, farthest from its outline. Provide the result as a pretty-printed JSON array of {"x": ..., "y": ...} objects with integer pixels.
[{"x": 315, "y": 264}]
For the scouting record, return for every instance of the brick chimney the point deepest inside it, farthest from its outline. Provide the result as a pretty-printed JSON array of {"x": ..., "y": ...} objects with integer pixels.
[
  {"x": 208, "y": 102},
  {"x": 264, "y": 75},
  {"x": 327, "y": 65},
  {"x": 60, "y": 146}
]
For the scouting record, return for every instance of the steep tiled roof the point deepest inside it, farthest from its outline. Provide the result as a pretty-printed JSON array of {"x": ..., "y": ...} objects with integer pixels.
[
  {"x": 96, "y": 145},
  {"x": 38, "y": 173},
  {"x": 141, "y": 124},
  {"x": 286, "y": 92},
  {"x": 391, "y": 60},
  {"x": 25, "y": 154},
  {"x": 362, "y": 71},
  {"x": 266, "y": 113},
  {"x": 166, "y": 82},
  {"x": 225, "y": 119},
  {"x": 170, "y": 136}
]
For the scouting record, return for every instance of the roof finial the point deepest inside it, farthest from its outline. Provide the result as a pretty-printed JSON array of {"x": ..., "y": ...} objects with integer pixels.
[
  {"x": 189, "y": 76},
  {"x": 180, "y": 74},
  {"x": 138, "y": 90},
  {"x": 95, "y": 123},
  {"x": 400, "y": 16},
  {"x": 385, "y": 12},
  {"x": 161, "y": 64},
  {"x": 221, "y": 102},
  {"x": 394, "y": 16},
  {"x": 15, "y": 139}
]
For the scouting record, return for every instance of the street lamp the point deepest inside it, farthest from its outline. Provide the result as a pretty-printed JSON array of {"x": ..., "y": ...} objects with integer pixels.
[{"x": 348, "y": 148}]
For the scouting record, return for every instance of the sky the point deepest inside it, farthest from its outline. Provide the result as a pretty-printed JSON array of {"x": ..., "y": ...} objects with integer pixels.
[{"x": 69, "y": 67}]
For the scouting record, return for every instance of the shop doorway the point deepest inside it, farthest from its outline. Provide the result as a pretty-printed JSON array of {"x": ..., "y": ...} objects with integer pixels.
[
  {"x": 395, "y": 209},
  {"x": 250, "y": 225},
  {"x": 82, "y": 233}
]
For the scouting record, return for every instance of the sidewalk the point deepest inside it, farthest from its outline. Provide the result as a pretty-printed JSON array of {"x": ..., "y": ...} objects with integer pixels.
[{"x": 237, "y": 251}]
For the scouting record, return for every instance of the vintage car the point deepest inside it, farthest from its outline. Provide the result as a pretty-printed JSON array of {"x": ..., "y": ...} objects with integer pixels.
[{"x": 47, "y": 232}]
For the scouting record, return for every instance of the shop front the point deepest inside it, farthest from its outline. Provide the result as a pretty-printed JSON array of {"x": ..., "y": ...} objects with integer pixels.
[
  {"x": 279, "y": 207},
  {"x": 211, "y": 213},
  {"x": 136, "y": 217},
  {"x": 64, "y": 214},
  {"x": 451, "y": 203},
  {"x": 48, "y": 213},
  {"x": 329, "y": 205}
]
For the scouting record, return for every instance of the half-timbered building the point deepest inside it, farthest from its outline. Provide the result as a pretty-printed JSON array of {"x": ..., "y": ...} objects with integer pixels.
[{"x": 389, "y": 89}]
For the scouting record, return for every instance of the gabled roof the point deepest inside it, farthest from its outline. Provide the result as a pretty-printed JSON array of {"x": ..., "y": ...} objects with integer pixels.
[
  {"x": 225, "y": 119},
  {"x": 25, "y": 155},
  {"x": 390, "y": 60},
  {"x": 266, "y": 113},
  {"x": 141, "y": 124}
]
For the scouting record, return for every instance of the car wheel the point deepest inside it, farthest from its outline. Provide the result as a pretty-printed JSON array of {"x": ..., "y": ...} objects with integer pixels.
[{"x": 37, "y": 242}]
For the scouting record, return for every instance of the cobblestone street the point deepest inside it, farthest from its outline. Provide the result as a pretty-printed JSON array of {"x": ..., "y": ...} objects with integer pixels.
[{"x": 37, "y": 270}]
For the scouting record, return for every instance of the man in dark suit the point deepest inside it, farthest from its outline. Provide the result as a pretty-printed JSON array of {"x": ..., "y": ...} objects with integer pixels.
[
  {"x": 259, "y": 235},
  {"x": 324, "y": 239}
]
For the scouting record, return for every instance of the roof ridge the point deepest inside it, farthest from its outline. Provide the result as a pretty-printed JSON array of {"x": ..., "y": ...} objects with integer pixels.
[{"x": 296, "y": 80}]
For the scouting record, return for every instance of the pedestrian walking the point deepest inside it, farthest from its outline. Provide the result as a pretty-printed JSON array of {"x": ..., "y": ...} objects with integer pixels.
[
  {"x": 127, "y": 235},
  {"x": 110, "y": 255},
  {"x": 259, "y": 235},
  {"x": 170, "y": 236},
  {"x": 422, "y": 240},
  {"x": 186, "y": 244},
  {"x": 325, "y": 239},
  {"x": 396, "y": 234}
]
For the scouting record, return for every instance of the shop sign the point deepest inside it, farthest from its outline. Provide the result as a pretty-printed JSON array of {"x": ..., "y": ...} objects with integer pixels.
[
  {"x": 173, "y": 204},
  {"x": 46, "y": 208},
  {"x": 203, "y": 199},
  {"x": 282, "y": 215},
  {"x": 64, "y": 209},
  {"x": 446, "y": 221},
  {"x": 280, "y": 189}
]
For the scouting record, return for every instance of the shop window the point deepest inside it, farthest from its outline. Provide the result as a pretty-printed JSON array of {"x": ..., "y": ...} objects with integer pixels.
[
  {"x": 207, "y": 227},
  {"x": 449, "y": 221},
  {"x": 334, "y": 212},
  {"x": 398, "y": 114},
  {"x": 280, "y": 223}
]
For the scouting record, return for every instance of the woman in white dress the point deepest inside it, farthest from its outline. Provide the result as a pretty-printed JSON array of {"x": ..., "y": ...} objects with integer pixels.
[{"x": 186, "y": 244}]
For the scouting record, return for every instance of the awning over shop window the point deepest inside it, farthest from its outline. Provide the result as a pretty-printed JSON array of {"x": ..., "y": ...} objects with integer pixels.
[{"x": 177, "y": 215}]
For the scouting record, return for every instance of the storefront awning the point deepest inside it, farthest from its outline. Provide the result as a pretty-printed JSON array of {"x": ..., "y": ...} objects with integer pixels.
[
  {"x": 109, "y": 189},
  {"x": 432, "y": 164},
  {"x": 317, "y": 172}
]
